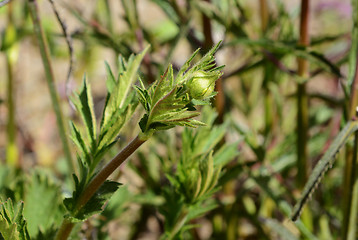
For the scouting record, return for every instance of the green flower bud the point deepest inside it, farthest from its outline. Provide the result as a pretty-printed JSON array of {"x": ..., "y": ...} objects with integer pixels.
[{"x": 202, "y": 85}]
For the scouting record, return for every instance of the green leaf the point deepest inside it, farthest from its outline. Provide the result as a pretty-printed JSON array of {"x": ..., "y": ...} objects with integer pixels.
[
  {"x": 299, "y": 51},
  {"x": 84, "y": 105},
  {"x": 80, "y": 143},
  {"x": 354, "y": 46},
  {"x": 168, "y": 102},
  {"x": 12, "y": 223},
  {"x": 111, "y": 80},
  {"x": 168, "y": 10},
  {"x": 118, "y": 96},
  {"x": 95, "y": 204},
  {"x": 225, "y": 154},
  {"x": 43, "y": 204},
  {"x": 323, "y": 165},
  {"x": 281, "y": 231}
]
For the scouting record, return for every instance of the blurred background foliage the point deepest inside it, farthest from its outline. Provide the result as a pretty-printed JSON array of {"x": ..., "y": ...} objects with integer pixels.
[{"x": 252, "y": 131}]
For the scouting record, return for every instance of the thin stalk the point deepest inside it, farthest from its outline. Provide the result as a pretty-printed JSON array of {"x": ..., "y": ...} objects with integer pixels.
[
  {"x": 269, "y": 71},
  {"x": 207, "y": 30},
  {"x": 109, "y": 16},
  {"x": 11, "y": 148},
  {"x": 12, "y": 153},
  {"x": 44, "y": 50},
  {"x": 97, "y": 181},
  {"x": 302, "y": 102},
  {"x": 178, "y": 224},
  {"x": 350, "y": 170},
  {"x": 263, "y": 15},
  {"x": 349, "y": 231},
  {"x": 353, "y": 101}
]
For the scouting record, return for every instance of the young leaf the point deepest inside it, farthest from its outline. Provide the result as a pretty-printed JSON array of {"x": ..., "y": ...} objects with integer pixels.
[
  {"x": 84, "y": 105},
  {"x": 118, "y": 95},
  {"x": 168, "y": 102},
  {"x": 12, "y": 223}
]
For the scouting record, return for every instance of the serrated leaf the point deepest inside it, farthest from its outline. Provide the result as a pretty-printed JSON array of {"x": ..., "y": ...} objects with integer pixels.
[
  {"x": 12, "y": 223},
  {"x": 43, "y": 204},
  {"x": 80, "y": 143},
  {"x": 126, "y": 77},
  {"x": 323, "y": 165},
  {"x": 95, "y": 204},
  {"x": 129, "y": 76},
  {"x": 111, "y": 80},
  {"x": 168, "y": 101},
  {"x": 84, "y": 105}
]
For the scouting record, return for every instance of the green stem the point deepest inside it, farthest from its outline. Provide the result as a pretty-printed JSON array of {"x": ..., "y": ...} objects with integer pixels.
[
  {"x": 11, "y": 148},
  {"x": 97, "y": 181},
  {"x": 302, "y": 102},
  {"x": 178, "y": 224},
  {"x": 350, "y": 215},
  {"x": 350, "y": 170},
  {"x": 43, "y": 46},
  {"x": 12, "y": 154}
]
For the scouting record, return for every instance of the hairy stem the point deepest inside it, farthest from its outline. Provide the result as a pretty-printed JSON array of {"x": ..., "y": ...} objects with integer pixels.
[
  {"x": 97, "y": 181},
  {"x": 44, "y": 50},
  {"x": 302, "y": 102}
]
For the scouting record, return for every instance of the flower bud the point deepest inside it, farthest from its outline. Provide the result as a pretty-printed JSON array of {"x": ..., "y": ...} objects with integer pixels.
[{"x": 202, "y": 85}]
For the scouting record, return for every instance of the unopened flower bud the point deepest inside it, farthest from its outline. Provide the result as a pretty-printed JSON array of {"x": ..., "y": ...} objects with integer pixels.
[{"x": 201, "y": 85}]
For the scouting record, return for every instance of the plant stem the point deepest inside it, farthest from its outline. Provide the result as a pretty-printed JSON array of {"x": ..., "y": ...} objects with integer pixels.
[
  {"x": 302, "y": 102},
  {"x": 350, "y": 180},
  {"x": 11, "y": 148},
  {"x": 263, "y": 15},
  {"x": 43, "y": 46},
  {"x": 12, "y": 154},
  {"x": 97, "y": 181},
  {"x": 350, "y": 215}
]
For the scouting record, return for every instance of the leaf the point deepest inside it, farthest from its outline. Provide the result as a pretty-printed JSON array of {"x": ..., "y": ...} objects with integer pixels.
[
  {"x": 119, "y": 94},
  {"x": 323, "y": 165},
  {"x": 281, "y": 231},
  {"x": 84, "y": 105},
  {"x": 354, "y": 46},
  {"x": 225, "y": 154},
  {"x": 95, "y": 204},
  {"x": 80, "y": 143},
  {"x": 43, "y": 204},
  {"x": 12, "y": 223},
  {"x": 299, "y": 51},
  {"x": 167, "y": 9},
  {"x": 200, "y": 209},
  {"x": 111, "y": 81},
  {"x": 168, "y": 102}
]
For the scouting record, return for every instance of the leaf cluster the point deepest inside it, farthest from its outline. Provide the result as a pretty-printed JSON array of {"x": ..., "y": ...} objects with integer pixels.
[
  {"x": 92, "y": 145},
  {"x": 194, "y": 182},
  {"x": 12, "y": 222},
  {"x": 168, "y": 102}
]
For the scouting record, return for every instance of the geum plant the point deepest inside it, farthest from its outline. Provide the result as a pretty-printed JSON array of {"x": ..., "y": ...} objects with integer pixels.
[
  {"x": 194, "y": 182},
  {"x": 169, "y": 102}
]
